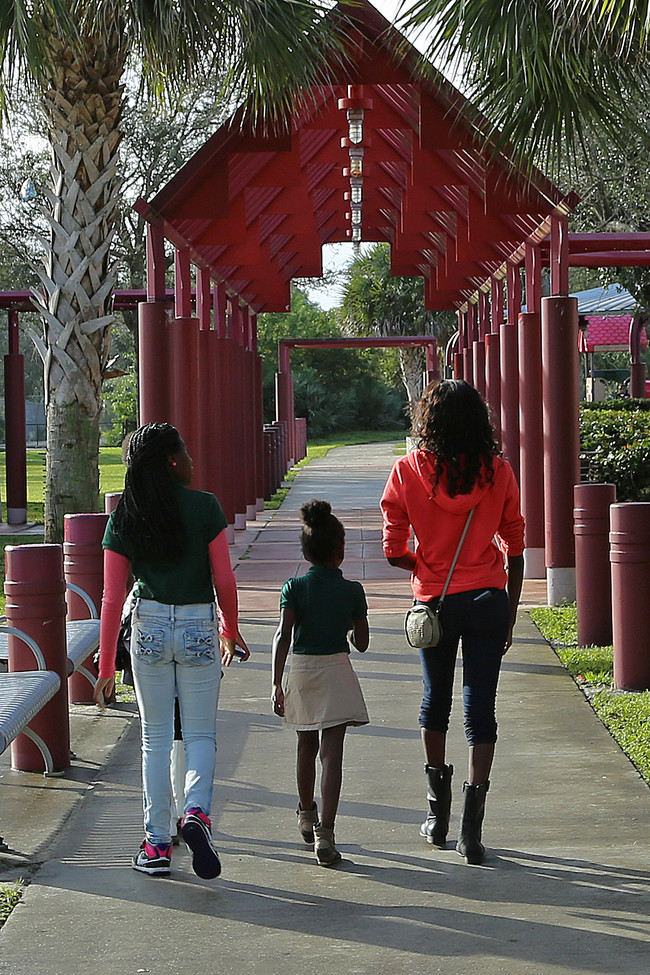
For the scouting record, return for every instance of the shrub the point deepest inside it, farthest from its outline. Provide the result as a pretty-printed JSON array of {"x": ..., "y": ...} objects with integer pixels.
[{"x": 615, "y": 446}]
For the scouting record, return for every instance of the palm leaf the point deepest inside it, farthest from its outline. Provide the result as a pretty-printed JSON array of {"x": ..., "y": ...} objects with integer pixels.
[{"x": 548, "y": 74}]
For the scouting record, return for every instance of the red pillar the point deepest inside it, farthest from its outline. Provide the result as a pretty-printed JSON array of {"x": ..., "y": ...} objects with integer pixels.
[
  {"x": 478, "y": 366},
  {"x": 227, "y": 470},
  {"x": 593, "y": 577},
  {"x": 83, "y": 565},
  {"x": 15, "y": 436},
  {"x": 630, "y": 558},
  {"x": 560, "y": 392},
  {"x": 509, "y": 366},
  {"x": 531, "y": 438},
  {"x": 185, "y": 395},
  {"x": 35, "y": 590},
  {"x": 493, "y": 380},
  {"x": 154, "y": 361},
  {"x": 284, "y": 408}
]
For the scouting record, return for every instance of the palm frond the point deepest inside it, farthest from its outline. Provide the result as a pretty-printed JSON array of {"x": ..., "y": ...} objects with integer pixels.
[{"x": 547, "y": 74}]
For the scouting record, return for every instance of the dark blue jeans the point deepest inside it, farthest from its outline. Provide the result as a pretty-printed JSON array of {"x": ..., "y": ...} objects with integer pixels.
[{"x": 480, "y": 618}]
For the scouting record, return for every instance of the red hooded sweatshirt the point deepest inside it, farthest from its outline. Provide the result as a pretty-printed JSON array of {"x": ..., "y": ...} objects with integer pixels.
[{"x": 410, "y": 503}]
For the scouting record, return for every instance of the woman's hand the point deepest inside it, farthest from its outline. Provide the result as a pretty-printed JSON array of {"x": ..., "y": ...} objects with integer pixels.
[
  {"x": 277, "y": 698},
  {"x": 103, "y": 690},
  {"x": 227, "y": 646}
]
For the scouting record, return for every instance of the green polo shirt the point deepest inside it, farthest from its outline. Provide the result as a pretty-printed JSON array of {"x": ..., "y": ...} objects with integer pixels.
[
  {"x": 190, "y": 579},
  {"x": 325, "y": 605}
]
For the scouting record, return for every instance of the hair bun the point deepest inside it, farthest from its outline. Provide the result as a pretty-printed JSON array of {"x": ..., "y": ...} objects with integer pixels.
[{"x": 316, "y": 512}]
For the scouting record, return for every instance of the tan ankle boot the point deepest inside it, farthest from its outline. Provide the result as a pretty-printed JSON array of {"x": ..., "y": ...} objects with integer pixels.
[
  {"x": 326, "y": 853},
  {"x": 307, "y": 819}
]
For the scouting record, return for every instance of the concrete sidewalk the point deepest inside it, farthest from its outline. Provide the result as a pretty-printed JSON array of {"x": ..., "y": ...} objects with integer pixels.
[{"x": 564, "y": 888}]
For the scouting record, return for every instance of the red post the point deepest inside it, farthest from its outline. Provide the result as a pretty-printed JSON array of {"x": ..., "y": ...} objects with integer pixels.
[
  {"x": 183, "y": 350},
  {"x": 478, "y": 366},
  {"x": 111, "y": 500},
  {"x": 284, "y": 408},
  {"x": 16, "y": 447},
  {"x": 509, "y": 394},
  {"x": 155, "y": 365},
  {"x": 630, "y": 558},
  {"x": 531, "y": 440},
  {"x": 593, "y": 578},
  {"x": 35, "y": 591},
  {"x": 83, "y": 565},
  {"x": 493, "y": 380},
  {"x": 560, "y": 391}
]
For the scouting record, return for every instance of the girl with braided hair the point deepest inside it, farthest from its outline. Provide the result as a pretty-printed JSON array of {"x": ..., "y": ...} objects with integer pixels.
[
  {"x": 430, "y": 493},
  {"x": 321, "y": 614},
  {"x": 173, "y": 541}
]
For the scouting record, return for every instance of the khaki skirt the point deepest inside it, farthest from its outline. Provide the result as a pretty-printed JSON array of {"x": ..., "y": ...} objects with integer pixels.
[{"x": 323, "y": 691}]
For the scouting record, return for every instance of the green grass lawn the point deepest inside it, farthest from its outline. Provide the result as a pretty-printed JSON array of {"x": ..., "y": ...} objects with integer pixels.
[{"x": 626, "y": 714}]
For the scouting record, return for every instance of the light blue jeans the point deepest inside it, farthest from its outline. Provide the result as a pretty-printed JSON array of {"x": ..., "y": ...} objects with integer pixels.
[{"x": 175, "y": 651}]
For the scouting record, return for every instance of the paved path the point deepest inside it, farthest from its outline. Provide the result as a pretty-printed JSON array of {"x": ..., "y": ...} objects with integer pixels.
[{"x": 565, "y": 888}]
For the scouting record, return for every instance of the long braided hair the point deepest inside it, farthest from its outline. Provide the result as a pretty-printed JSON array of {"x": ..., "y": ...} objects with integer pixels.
[
  {"x": 452, "y": 422},
  {"x": 147, "y": 515}
]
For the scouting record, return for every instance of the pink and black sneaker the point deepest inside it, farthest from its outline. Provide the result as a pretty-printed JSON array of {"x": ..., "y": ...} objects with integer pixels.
[
  {"x": 195, "y": 830},
  {"x": 156, "y": 860}
]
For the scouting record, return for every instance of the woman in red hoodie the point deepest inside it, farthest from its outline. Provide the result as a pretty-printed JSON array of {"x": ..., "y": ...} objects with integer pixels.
[{"x": 430, "y": 493}]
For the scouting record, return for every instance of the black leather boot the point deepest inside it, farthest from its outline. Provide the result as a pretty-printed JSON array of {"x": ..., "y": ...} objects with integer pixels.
[
  {"x": 435, "y": 827},
  {"x": 469, "y": 834}
]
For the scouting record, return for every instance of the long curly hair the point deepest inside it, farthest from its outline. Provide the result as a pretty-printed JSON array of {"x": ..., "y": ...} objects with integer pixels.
[
  {"x": 453, "y": 424},
  {"x": 322, "y": 532},
  {"x": 147, "y": 516}
]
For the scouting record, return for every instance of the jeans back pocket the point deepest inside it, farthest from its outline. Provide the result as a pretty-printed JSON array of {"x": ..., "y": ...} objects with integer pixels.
[
  {"x": 148, "y": 642},
  {"x": 200, "y": 643}
]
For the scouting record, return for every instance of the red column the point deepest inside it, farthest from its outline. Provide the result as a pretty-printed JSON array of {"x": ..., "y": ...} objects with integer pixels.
[
  {"x": 509, "y": 365},
  {"x": 493, "y": 380},
  {"x": 16, "y": 447},
  {"x": 468, "y": 372},
  {"x": 560, "y": 393},
  {"x": 226, "y": 471},
  {"x": 531, "y": 439},
  {"x": 83, "y": 565},
  {"x": 284, "y": 409},
  {"x": 185, "y": 395},
  {"x": 630, "y": 558},
  {"x": 249, "y": 444},
  {"x": 478, "y": 366},
  {"x": 35, "y": 591},
  {"x": 111, "y": 500},
  {"x": 259, "y": 433},
  {"x": 154, "y": 361},
  {"x": 593, "y": 578}
]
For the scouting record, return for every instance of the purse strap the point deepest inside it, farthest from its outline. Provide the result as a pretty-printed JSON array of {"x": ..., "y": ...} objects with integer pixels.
[{"x": 455, "y": 559}]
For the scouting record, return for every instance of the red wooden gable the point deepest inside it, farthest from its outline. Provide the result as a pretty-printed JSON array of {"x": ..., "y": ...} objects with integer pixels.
[{"x": 256, "y": 209}]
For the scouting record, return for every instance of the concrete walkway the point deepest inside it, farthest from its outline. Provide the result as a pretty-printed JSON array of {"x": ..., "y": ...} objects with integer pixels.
[{"x": 565, "y": 888}]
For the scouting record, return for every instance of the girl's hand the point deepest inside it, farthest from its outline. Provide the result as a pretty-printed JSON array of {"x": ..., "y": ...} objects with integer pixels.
[
  {"x": 277, "y": 697},
  {"x": 104, "y": 689},
  {"x": 227, "y": 646}
]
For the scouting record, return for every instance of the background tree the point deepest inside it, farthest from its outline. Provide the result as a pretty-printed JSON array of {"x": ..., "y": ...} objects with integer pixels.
[
  {"x": 376, "y": 303},
  {"x": 75, "y": 55},
  {"x": 335, "y": 389}
]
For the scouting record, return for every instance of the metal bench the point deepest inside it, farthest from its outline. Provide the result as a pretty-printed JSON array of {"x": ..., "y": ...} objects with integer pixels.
[
  {"x": 82, "y": 639},
  {"x": 22, "y": 695}
]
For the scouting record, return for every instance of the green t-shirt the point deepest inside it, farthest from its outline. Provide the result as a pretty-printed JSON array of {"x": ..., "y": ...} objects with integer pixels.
[
  {"x": 190, "y": 579},
  {"x": 325, "y": 605}
]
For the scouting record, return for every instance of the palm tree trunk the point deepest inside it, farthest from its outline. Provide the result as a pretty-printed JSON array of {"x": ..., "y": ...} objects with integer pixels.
[
  {"x": 411, "y": 369},
  {"x": 83, "y": 105}
]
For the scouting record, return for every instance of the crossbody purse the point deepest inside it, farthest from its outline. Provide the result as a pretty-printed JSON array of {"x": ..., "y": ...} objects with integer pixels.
[{"x": 422, "y": 624}]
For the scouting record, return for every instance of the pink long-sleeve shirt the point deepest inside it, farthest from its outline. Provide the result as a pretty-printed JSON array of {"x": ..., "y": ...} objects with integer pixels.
[{"x": 410, "y": 506}]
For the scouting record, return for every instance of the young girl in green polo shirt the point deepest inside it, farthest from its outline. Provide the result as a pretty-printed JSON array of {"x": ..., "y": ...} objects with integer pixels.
[{"x": 321, "y": 613}]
